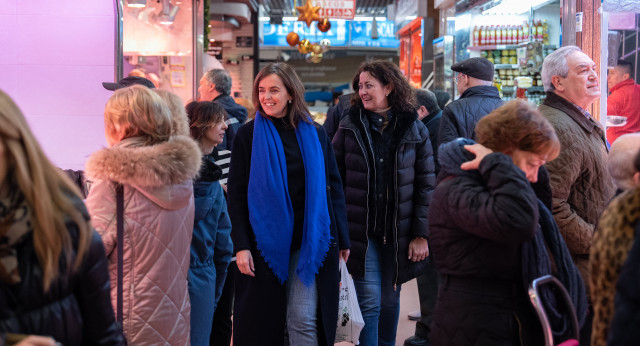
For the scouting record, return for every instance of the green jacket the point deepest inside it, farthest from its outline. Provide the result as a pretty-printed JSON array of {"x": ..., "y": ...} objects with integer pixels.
[{"x": 580, "y": 182}]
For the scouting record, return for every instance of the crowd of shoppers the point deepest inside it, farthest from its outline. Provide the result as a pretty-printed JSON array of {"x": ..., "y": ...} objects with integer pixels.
[{"x": 149, "y": 260}]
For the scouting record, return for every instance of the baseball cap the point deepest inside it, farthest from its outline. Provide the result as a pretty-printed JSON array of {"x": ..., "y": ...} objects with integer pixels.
[
  {"x": 128, "y": 81},
  {"x": 479, "y": 68}
]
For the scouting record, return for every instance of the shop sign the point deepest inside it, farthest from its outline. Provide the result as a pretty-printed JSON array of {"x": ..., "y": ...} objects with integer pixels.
[
  {"x": 336, "y": 9},
  {"x": 342, "y": 34}
]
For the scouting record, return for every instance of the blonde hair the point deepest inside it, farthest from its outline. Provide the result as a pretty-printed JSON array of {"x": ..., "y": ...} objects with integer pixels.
[
  {"x": 47, "y": 190},
  {"x": 179, "y": 119},
  {"x": 136, "y": 111}
]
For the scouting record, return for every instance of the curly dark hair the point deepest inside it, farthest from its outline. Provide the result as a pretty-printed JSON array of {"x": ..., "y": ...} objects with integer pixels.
[{"x": 401, "y": 97}]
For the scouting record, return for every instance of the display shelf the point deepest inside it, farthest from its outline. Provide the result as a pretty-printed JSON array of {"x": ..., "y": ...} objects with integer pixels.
[
  {"x": 506, "y": 66},
  {"x": 506, "y": 46},
  {"x": 512, "y": 89}
]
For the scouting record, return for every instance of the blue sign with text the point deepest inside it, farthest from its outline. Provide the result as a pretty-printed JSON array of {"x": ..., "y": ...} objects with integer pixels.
[{"x": 343, "y": 33}]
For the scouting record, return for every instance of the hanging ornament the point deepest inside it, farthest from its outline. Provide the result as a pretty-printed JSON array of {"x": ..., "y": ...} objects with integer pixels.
[
  {"x": 308, "y": 57},
  {"x": 316, "y": 48},
  {"x": 304, "y": 46},
  {"x": 293, "y": 39},
  {"x": 308, "y": 13},
  {"x": 325, "y": 44},
  {"x": 324, "y": 25},
  {"x": 316, "y": 58}
]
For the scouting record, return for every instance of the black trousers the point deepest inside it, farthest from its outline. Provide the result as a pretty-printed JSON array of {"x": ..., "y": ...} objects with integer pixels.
[
  {"x": 427, "y": 293},
  {"x": 221, "y": 330}
]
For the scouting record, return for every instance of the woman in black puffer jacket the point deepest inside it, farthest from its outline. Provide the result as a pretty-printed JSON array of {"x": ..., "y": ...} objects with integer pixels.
[
  {"x": 53, "y": 271},
  {"x": 490, "y": 236},
  {"x": 386, "y": 161}
]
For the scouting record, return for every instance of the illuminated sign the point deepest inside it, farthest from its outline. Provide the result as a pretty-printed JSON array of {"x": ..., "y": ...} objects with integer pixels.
[{"x": 343, "y": 33}]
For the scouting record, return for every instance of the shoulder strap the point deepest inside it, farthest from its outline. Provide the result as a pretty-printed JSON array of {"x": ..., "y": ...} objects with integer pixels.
[{"x": 120, "y": 247}]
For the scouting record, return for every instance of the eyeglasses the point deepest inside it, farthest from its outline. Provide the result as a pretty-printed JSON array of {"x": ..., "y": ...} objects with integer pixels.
[{"x": 457, "y": 77}]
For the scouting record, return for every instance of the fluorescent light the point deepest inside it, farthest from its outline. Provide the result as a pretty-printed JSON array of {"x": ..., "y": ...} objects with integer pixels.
[
  {"x": 265, "y": 19},
  {"x": 137, "y": 3},
  {"x": 410, "y": 17},
  {"x": 514, "y": 6},
  {"x": 292, "y": 19}
]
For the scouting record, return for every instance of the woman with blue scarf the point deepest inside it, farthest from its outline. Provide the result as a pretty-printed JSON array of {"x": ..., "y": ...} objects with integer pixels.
[
  {"x": 289, "y": 220},
  {"x": 491, "y": 236}
]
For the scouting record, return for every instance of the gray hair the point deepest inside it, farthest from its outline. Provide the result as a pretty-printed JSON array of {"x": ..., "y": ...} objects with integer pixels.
[
  {"x": 427, "y": 99},
  {"x": 620, "y": 161},
  {"x": 555, "y": 64},
  {"x": 221, "y": 79}
]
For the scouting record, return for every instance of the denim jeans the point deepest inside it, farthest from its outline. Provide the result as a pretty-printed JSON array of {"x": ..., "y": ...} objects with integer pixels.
[
  {"x": 302, "y": 308},
  {"x": 379, "y": 303}
]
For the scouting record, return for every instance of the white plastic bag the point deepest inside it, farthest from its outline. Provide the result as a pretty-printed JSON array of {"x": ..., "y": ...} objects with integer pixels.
[{"x": 350, "y": 321}]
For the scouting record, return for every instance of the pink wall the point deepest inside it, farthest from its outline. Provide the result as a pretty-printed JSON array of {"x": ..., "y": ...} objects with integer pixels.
[{"x": 54, "y": 56}]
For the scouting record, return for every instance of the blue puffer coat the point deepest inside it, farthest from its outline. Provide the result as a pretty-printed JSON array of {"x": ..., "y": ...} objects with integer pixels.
[{"x": 211, "y": 250}]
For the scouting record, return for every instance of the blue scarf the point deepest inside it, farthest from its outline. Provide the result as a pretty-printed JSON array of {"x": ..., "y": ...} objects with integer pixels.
[{"x": 270, "y": 210}]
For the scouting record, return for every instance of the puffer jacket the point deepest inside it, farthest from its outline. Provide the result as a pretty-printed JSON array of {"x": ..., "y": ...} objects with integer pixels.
[
  {"x": 413, "y": 183},
  {"x": 75, "y": 311},
  {"x": 478, "y": 226},
  {"x": 158, "y": 223},
  {"x": 211, "y": 250},
  {"x": 580, "y": 181},
  {"x": 460, "y": 117}
]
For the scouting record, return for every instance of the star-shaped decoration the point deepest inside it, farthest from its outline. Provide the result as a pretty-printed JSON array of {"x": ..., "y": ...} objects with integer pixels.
[{"x": 308, "y": 13}]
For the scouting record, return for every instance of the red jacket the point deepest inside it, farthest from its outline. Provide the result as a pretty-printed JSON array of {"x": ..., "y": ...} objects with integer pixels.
[{"x": 624, "y": 100}]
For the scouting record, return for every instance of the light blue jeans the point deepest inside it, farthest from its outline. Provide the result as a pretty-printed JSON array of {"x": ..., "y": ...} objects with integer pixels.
[
  {"x": 379, "y": 303},
  {"x": 302, "y": 308}
]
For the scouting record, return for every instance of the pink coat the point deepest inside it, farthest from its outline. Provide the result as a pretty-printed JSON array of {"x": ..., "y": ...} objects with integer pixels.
[{"x": 158, "y": 213}]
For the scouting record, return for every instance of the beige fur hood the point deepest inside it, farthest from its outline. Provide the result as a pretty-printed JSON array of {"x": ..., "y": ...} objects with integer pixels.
[{"x": 131, "y": 163}]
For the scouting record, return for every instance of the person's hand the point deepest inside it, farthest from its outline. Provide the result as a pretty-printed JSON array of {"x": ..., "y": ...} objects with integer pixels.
[
  {"x": 224, "y": 187},
  {"x": 480, "y": 151},
  {"x": 34, "y": 340},
  {"x": 418, "y": 249},
  {"x": 344, "y": 254},
  {"x": 244, "y": 260}
]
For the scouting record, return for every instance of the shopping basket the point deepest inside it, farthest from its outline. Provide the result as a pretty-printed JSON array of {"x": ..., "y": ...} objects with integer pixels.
[{"x": 542, "y": 315}]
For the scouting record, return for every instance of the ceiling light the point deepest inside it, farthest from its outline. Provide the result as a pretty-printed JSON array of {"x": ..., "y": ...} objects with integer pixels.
[
  {"x": 137, "y": 3},
  {"x": 169, "y": 12}
]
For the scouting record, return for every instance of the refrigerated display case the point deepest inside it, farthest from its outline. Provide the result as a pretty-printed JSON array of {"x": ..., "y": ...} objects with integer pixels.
[
  {"x": 411, "y": 43},
  {"x": 443, "y": 56}
]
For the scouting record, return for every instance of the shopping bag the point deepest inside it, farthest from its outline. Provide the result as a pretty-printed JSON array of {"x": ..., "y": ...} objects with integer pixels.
[{"x": 350, "y": 321}]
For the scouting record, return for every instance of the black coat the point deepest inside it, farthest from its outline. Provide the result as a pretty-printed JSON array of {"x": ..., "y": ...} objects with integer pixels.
[
  {"x": 413, "y": 183},
  {"x": 478, "y": 226},
  {"x": 77, "y": 308},
  {"x": 236, "y": 116},
  {"x": 460, "y": 117},
  {"x": 260, "y": 302}
]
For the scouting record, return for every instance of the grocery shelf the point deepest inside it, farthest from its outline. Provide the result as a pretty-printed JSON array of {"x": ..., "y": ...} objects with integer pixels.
[
  {"x": 506, "y": 66},
  {"x": 511, "y": 90},
  {"x": 506, "y": 46}
]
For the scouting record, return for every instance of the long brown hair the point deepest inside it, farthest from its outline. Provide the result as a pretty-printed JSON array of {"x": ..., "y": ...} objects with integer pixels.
[
  {"x": 297, "y": 109},
  {"x": 401, "y": 98},
  {"x": 47, "y": 191}
]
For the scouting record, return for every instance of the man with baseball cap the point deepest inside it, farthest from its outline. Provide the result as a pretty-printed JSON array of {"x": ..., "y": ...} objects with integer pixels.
[
  {"x": 128, "y": 81},
  {"x": 478, "y": 97}
]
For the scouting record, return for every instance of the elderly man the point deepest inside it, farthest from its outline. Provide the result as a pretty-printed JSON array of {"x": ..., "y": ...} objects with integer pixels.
[
  {"x": 624, "y": 100},
  {"x": 215, "y": 86},
  {"x": 478, "y": 97},
  {"x": 580, "y": 182}
]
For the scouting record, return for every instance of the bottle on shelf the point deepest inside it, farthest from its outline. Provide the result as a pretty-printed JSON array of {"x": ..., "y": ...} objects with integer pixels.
[
  {"x": 545, "y": 32},
  {"x": 483, "y": 35},
  {"x": 520, "y": 34},
  {"x": 525, "y": 31},
  {"x": 476, "y": 36},
  {"x": 539, "y": 30}
]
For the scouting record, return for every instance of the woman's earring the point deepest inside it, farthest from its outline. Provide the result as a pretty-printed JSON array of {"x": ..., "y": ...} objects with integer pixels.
[{"x": 289, "y": 101}]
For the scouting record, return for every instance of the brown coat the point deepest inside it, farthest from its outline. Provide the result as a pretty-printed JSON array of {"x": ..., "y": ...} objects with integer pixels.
[
  {"x": 158, "y": 222},
  {"x": 580, "y": 182}
]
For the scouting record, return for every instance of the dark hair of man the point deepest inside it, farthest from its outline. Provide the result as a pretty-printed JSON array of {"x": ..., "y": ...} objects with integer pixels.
[
  {"x": 296, "y": 110},
  {"x": 625, "y": 67},
  {"x": 427, "y": 99},
  {"x": 401, "y": 98},
  {"x": 443, "y": 97},
  {"x": 202, "y": 115},
  {"x": 518, "y": 126},
  {"x": 221, "y": 79}
]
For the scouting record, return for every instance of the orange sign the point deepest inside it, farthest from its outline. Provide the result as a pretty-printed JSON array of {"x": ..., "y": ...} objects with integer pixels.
[{"x": 336, "y": 9}]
